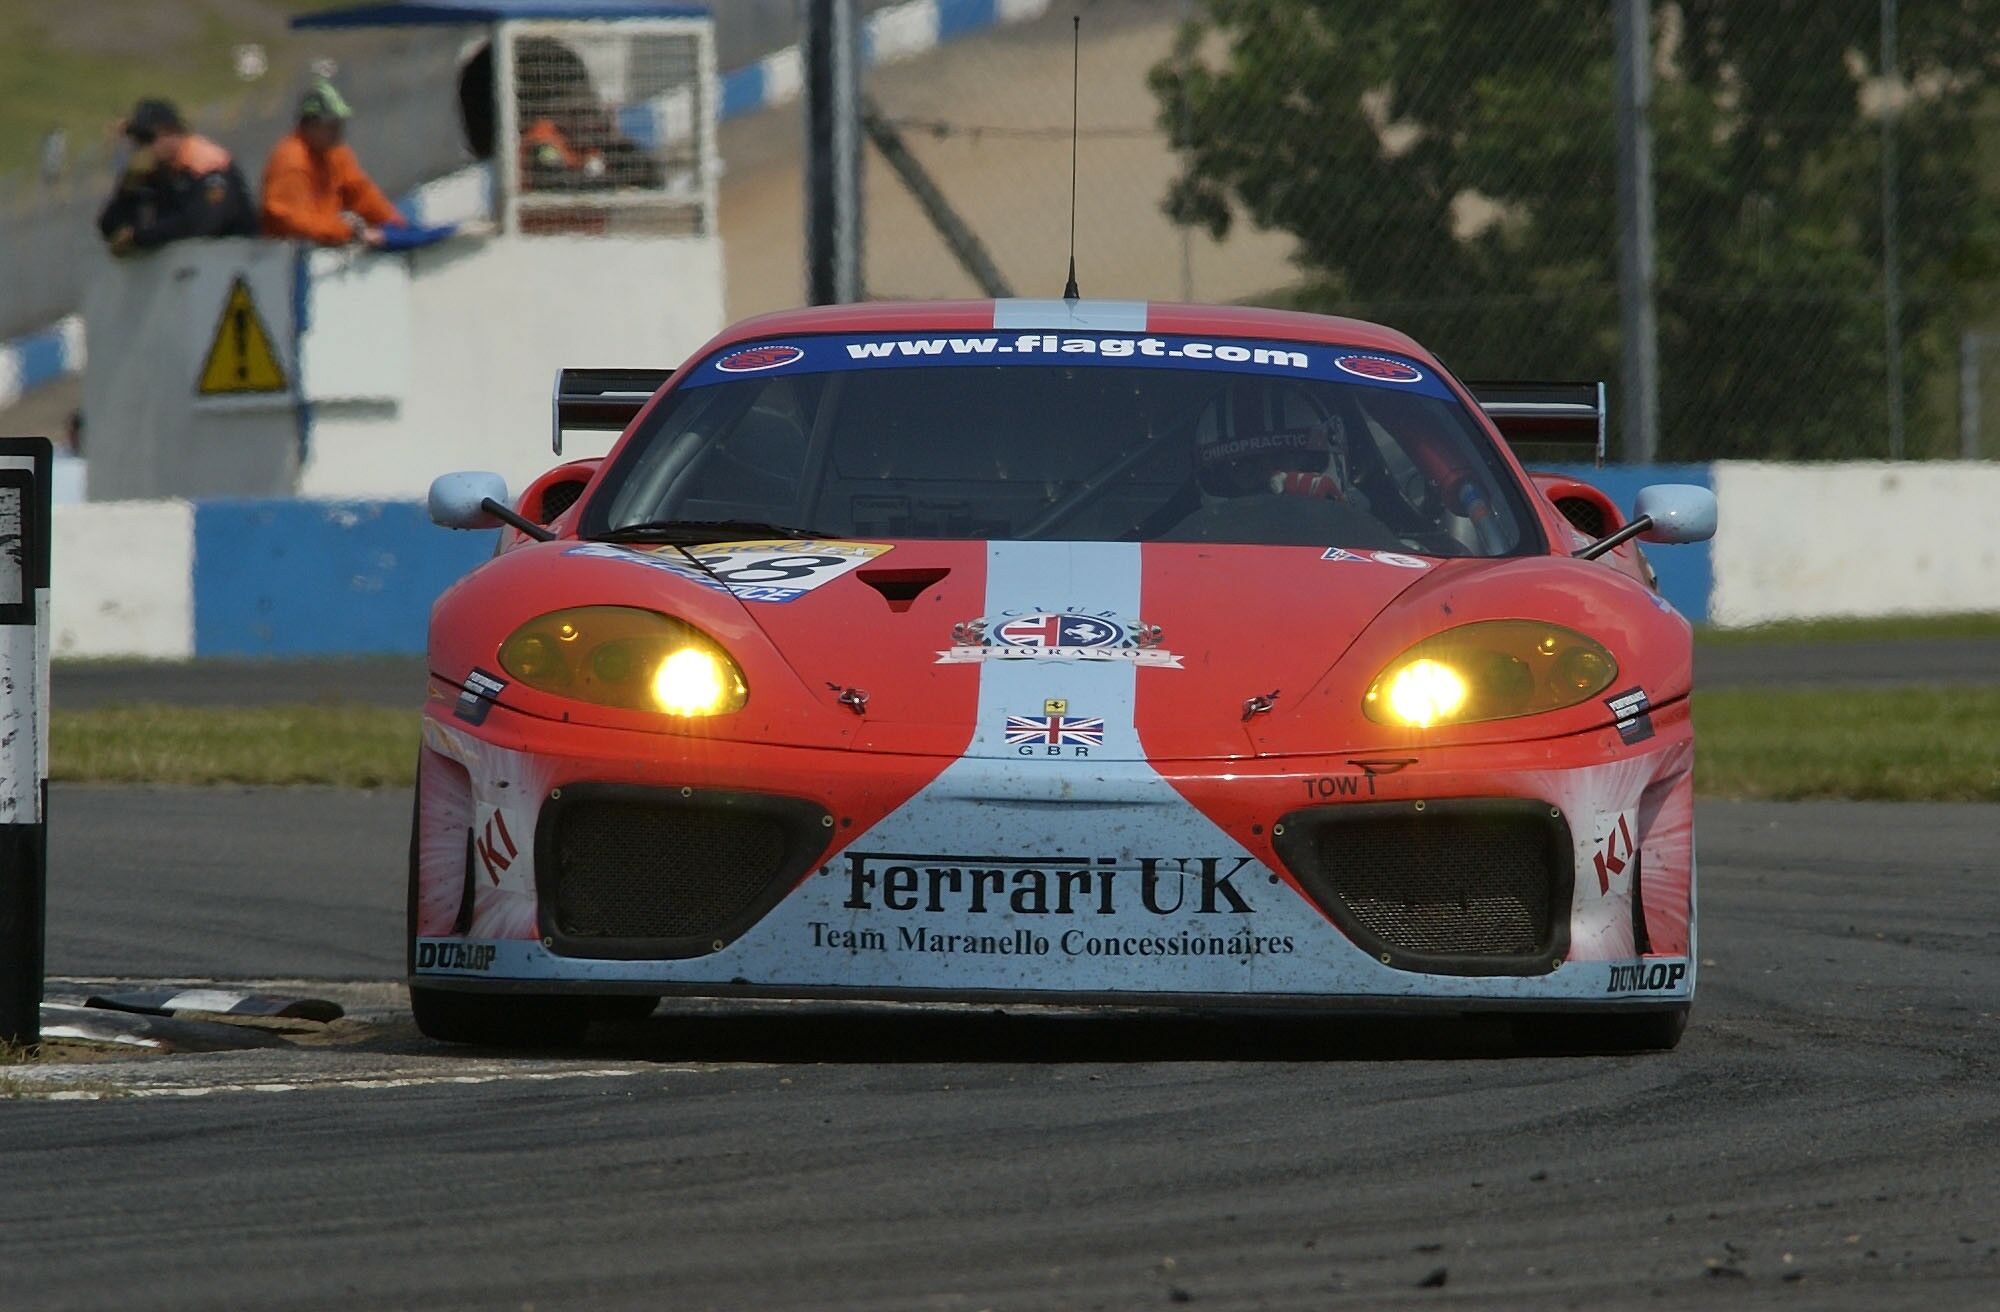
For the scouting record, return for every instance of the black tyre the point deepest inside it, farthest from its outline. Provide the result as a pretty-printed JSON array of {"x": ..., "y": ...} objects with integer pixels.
[
  {"x": 1645, "y": 1031},
  {"x": 621, "y": 1009},
  {"x": 500, "y": 1020}
]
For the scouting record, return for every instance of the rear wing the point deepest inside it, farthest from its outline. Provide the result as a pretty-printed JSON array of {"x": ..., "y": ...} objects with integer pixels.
[
  {"x": 600, "y": 399},
  {"x": 1565, "y": 419}
]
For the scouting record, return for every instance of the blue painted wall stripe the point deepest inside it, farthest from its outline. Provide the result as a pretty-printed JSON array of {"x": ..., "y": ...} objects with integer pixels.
[
  {"x": 299, "y": 578},
  {"x": 742, "y": 92},
  {"x": 956, "y": 18},
  {"x": 37, "y": 358}
]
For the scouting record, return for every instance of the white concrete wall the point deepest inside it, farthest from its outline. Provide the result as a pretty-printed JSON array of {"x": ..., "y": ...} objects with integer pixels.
[
  {"x": 1859, "y": 539},
  {"x": 408, "y": 366},
  {"x": 489, "y": 321},
  {"x": 121, "y": 580}
]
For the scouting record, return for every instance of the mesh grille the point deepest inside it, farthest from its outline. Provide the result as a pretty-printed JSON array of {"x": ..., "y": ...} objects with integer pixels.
[
  {"x": 559, "y": 497},
  {"x": 1587, "y": 516},
  {"x": 612, "y": 120},
  {"x": 640, "y": 870},
  {"x": 1449, "y": 886}
]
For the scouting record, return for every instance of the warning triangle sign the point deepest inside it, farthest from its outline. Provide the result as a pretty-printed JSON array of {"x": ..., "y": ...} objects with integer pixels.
[{"x": 240, "y": 358}]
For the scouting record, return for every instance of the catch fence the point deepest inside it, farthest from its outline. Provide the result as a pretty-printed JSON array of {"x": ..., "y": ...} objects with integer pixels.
[{"x": 1826, "y": 280}]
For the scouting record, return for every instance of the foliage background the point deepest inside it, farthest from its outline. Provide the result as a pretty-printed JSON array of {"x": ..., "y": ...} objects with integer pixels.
[{"x": 1449, "y": 166}]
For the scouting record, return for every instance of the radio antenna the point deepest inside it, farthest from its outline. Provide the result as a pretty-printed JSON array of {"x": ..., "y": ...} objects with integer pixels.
[{"x": 1070, "y": 292}]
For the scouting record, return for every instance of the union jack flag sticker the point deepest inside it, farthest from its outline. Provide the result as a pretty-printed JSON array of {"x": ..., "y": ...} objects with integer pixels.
[{"x": 1056, "y": 730}]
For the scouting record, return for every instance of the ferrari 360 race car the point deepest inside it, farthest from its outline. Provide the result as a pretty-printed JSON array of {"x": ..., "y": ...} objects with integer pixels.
[{"x": 1073, "y": 651}]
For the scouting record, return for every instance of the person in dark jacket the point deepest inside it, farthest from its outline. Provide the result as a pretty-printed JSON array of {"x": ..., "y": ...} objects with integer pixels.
[{"x": 176, "y": 185}]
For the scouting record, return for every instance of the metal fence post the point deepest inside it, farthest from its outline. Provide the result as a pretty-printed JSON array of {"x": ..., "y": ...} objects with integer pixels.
[
  {"x": 1970, "y": 344},
  {"x": 1639, "y": 374},
  {"x": 24, "y": 699},
  {"x": 1892, "y": 289},
  {"x": 833, "y": 152}
]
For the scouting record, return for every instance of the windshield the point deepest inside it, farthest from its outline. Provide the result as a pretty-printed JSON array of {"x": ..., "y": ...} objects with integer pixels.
[{"x": 1071, "y": 437}]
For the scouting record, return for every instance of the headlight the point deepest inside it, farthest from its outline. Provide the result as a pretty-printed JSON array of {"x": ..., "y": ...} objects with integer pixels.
[
  {"x": 622, "y": 656},
  {"x": 1493, "y": 670}
]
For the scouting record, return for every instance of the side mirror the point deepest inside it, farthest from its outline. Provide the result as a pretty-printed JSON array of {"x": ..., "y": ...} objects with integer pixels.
[
  {"x": 1681, "y": 512},
  {"x": 458, "y": 500}
]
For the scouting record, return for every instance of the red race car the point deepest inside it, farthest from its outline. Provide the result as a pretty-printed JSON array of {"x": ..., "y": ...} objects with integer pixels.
[{"x": 1058, "y": 651}]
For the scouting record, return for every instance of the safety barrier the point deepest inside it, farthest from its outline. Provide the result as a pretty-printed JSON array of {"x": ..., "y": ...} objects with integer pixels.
[
  {"x": 28, "y": 362},
  {"x": 167, "y": 580},
  {"x": 1864, "y": 538}
]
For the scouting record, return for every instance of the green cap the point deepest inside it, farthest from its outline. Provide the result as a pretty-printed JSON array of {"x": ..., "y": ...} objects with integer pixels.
[{"x": 321, "y": 100}]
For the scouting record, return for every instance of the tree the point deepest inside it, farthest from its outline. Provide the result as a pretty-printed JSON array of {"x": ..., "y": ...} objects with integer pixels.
[{"x": 1448, "y": 166}]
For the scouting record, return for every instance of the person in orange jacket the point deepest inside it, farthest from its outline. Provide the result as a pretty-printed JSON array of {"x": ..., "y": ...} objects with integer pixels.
[{"x": 314, "y": 187}]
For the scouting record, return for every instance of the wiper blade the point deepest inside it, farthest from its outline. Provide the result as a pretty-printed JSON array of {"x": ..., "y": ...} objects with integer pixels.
[{"x": 691, "y": 531}]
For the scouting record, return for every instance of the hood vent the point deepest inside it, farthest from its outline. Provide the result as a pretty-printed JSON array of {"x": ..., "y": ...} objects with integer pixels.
[{"x": 900, "y": 587}]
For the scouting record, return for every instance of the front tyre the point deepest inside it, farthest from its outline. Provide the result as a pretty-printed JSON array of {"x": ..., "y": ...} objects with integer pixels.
[
  {"x": 519, "y": 1020},
  {"x": 499, "y": 1020},
  {"x": 1645, "y": 1031}
]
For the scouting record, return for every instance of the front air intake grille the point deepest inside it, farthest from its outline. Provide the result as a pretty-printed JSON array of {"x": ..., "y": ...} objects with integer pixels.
[
  {"x": 641, "y": 872},
  {"x": 1586, "y": 515},
  {"x": 558, "y": 497},
  {"x": 1457, "y": 887}
]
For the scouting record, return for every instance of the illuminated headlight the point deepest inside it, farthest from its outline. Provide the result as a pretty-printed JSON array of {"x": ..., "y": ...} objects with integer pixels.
[
  {"x": 1424, "y": 692},
  {"x": 693, "y": 681},
  {"x": 623, "y": 656},
  {"x": 1493, "y": 670}
]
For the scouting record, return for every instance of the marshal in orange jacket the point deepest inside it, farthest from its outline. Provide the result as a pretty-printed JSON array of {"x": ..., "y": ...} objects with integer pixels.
[{"x": 305, "y": 193}]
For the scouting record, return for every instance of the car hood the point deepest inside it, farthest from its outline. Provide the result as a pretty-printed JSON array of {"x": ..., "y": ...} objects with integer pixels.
[{"x": 1076, "y": 652}]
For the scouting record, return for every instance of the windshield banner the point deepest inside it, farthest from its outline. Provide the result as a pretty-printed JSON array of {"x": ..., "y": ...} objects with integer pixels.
[{"x": 815, "y": 354}]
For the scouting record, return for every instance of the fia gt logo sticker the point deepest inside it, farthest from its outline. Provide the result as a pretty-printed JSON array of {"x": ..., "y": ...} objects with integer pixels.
[
  {"x": 1378, "y": 367},
  {"x": 756, "y": 359}
]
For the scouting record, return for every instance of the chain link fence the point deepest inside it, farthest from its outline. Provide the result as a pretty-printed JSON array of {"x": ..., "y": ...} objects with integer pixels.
[{"x": 1827, "y": 237}]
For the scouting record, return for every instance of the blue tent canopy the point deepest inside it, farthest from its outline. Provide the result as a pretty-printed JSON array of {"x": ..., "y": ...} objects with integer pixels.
[{"x": 443, "y": 12}]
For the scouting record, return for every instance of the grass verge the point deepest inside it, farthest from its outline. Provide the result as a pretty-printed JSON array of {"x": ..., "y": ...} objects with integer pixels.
[
  {"x": 1894, "y": 744},
  {"x": 1869, "y": 630},
  {"x": 348, "y": 745},
  {"x": 1897, "y": 744}
]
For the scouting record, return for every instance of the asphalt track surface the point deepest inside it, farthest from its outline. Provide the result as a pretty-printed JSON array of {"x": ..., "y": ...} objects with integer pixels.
[
  {"x": 1827, "y": 1135},
  {"x": 399, "y": 680}
]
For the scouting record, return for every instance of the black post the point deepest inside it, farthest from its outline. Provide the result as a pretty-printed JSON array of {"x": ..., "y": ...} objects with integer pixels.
[
  {"x": 833, "y": 152},
  {"x": 819, "y": 153},
  {"x": 24, "y": 700}
]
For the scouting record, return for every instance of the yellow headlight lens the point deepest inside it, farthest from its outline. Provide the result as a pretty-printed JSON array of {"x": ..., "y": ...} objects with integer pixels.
[
  {"x": 1425, "y": 692},
  {"x": 1492, "y": 670},
  {"x": 691, "y": 682},
  {"x": 624, "y": 656}
]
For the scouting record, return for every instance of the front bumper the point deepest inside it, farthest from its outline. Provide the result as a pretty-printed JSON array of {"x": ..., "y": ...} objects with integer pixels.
[{"x": 1117, "y": 881}]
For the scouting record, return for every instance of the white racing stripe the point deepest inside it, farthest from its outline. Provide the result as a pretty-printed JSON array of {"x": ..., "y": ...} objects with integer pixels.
[
  {"x": 1099, "y": 580},
  {"x": 1108, "y": 316}
]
